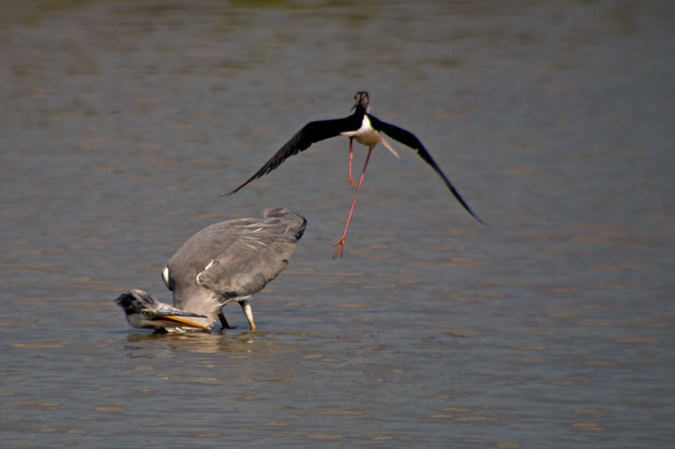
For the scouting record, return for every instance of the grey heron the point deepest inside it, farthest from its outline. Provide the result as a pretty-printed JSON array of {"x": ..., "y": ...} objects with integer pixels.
[
  {"x": 227, "y": 261},
  {"x": 366, "y": 129}
]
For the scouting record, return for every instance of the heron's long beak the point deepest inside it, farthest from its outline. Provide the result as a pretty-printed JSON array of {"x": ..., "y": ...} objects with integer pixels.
[{"x": 174, "y": 319}]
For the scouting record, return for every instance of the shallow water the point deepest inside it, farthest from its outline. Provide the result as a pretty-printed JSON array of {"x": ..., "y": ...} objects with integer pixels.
[{"x": 122, "y": 123}]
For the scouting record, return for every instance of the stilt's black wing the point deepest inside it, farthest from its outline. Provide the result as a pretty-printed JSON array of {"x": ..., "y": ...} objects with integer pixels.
[
  {"x": 409, "y": 139},
  {"x": 311, "y": 133}
]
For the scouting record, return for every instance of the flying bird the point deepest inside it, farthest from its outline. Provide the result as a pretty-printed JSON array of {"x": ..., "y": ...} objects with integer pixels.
[
  {"x": 227, "y": 261},
  {"x": 367, "y": 130}
]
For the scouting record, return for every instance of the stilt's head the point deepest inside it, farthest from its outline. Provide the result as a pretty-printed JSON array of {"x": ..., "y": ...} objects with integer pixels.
[{"x": 362, "y": 100}]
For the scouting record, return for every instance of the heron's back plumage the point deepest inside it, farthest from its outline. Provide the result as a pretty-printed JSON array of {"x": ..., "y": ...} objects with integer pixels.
[{"x": 233, "y": 259}]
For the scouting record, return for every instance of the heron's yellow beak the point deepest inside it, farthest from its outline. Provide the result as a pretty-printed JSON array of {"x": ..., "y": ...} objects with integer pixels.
[{"x": 184, "y": 322}]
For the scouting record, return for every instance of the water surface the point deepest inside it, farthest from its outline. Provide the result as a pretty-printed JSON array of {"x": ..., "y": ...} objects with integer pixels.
[{"x": 122, "y": 123}]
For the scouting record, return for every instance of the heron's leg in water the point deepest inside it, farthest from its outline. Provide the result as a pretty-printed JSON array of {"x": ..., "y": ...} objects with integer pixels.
[
  {"x": 246, "y": 307},
  {"x": 223, "y": 321}
]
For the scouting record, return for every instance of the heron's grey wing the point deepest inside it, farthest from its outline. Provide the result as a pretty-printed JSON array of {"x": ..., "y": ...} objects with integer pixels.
[
  {"x": 293, "y": 222},
  {"x": 409, "y": 139},
  {"x": 258, "y": 253},
  {"x": 200, "y": 249},
  {"x": 311, "y": 133}
]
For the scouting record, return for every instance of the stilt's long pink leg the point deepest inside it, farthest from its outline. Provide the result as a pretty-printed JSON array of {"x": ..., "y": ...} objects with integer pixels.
[
  {"x": 350, "y": 180},
  {"x": 341, "y": 243}
]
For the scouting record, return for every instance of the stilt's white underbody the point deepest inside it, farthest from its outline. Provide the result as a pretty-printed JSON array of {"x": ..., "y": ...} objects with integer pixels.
[{"x": 368, "y": 136}]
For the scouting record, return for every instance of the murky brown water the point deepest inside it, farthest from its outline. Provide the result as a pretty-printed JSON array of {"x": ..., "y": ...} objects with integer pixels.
[{"x": 554, "y": 327}]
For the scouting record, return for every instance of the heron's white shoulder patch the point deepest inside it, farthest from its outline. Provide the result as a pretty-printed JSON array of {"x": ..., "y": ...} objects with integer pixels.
[{"x": 165, "y": 277}]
